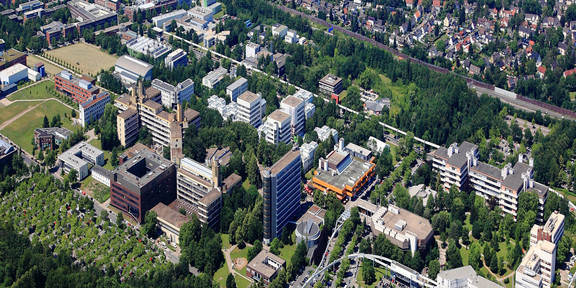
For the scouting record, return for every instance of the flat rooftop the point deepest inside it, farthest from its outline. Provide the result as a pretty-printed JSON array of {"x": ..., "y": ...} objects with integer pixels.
[
  {"x": 249, "y": 97},
  {"x": 292, "y": 101},
  {"x": 266, "y": 263},
  {"x": 167, "y": 214},
  {"x": 349, "y": 176},
  {"x": 279, "y": 116},
  {"x": 413, "y": 222},
  {"x": 142, "y": 169},
  {"x": 284, "y": 161},
  {"x": 330, "y": 80}
]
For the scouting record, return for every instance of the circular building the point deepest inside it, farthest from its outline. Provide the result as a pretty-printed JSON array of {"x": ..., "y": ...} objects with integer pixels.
[{"x": 309, "y": 232}]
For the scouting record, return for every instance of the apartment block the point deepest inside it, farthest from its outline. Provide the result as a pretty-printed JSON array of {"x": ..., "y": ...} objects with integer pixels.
[
  {"x": 281, "y": 191},
  {"x": 200, "y": 187},
  {"x": 174, "y": 95},
  {"x": 237, "y": 88},
  {"x": 93, "y": 108},
  {"x": 78, "y": 157},
  {"x": 330, "y": 84},
  {"x": 79, "y": 89},
  {"x": 251, "y": 108},
  {"x": 141, "y": 182},
  {"x": 277, "y": 127},
  {"x": 551, "y": 231},
  {"x": 452, "y": 163},
  {"x": 176, "y": 58},
  {"x": 295, "y": 108},
  {"x": 214, "y": 77}
]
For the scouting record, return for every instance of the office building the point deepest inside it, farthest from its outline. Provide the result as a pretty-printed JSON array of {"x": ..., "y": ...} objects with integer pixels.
[
  {"x": 141, "y": 182},
  {"x": 358, "y": 152},
  {"x": 264, "y": 267},
  {"x": 101, "y": 175},
  {"x": 306, "y": 96},
  {"x": 12, "y": 57},
  {"x": 279, "y": 30},
  {"x": 463, "y": 277},
  {"x": 200, "y": 187},
  {"x": 79, "y": 89},
  {"x": 215, "y": 8},
  {"x": 113, "y": 5},
  {"x": 295, "y": 108},
  {"x": 13, "y": 74},
  {"x": 307, "y": 154},
  {"x": 342, "y": 174},
  {"x": 91, "y": 15},
  {"x": 131, "y": 69},
  {"x": 29, "y": 6},
  {"x": 325, "y": 132},
  {"x": 170, "y": 221},
  {"x": 78, "y": 157},
  {"x": 251, "y": 108},
  {"x": 206, "y": 3},
  {"x": 93, "y": 108},
  {"x": 252, "y": 50},
  {"x": 277, "y": 128},
  {"x": 330, "y": 84},
  {"x": 212, "y": 79},
  {"x": 459, "y": 166},
  {"x": 176, "y": 58},
  {"x": 39, "y": 67},
  {"x": 50, "y": 138},
  {"x": 127, "y": 125},
  {"x": 237, "y": 88},
  {"x": 174, "y": 95},
  {"x": 291, "y": 37},
  {"x": 56, "y": 30},
  {"x": 403, "y": 228},
  {"x": 228, "y": 111},
  {"x": 146, "y": 46},
  {"x": 165, "y": 19},
  {"x": 202, "y": 13},
  {"x": 281, "y": 191}
]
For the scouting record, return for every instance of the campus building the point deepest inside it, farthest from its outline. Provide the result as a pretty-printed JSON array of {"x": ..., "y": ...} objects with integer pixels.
[
  {"x": 307, "y": 154},
  {"x": 176, "y": 58},
  {"x": 91, "y": 15},
  {"x": 145, "y": 46},
  {"x": 165, "y": 19},
  {"x": 49, "y": 138},
  {"x": 7, "y": 152},
  {"x": 174, "y": 95},
  {"x": 281, "y": 191},
  {"x": 251, "y": 108},
  {"x": 13, "y": 74},
  {"x": 113, "y": 5},
  {"x": 93, "y": 108},
  {"x": 78, "y": 157},
  {"x": 264, "y": 267},
  {"x": 170, "y": 221},
  {"x": 11, "y": 57},
  {"x": 130, "y": 69},
  {"x": 458, "y": 165},
  {"x": 294, "y": 106},
  {"x": 330, "y": 84},
  {"x": 237, "y": 88},
  {"x": 551, "y": 231},
  {"x": 127, "y": 125},
  {"x": 55, "y": 30},
  {"x": 325, "y": 132},
  {"x": 463, "y": 277},
  {"x": 199, "y": 186},
  {"x": 141, "y": 182},
  {"x": 277, "y": 128},
  {"x": 342, "y": 174},
  {"x": 212, "y": 79},
  {"x": 79, "y": 89}
]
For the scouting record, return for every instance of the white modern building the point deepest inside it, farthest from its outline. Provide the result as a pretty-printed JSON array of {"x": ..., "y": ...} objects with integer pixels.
[
  {"x": 101, "y": 175},
  {"x": 324, "y": 133},
  {"x": 176, "y": 58},
  {"x": 172, "y": 95},
  {"x": 277, "y": 127},
  {"x": 307, "y": 154},
  {"x": 165, "y": 19},
  {"x": 376, "y": 145},
  {"x": 252, "y": 50},
  {"x": 203, "y": 13},
  {"x": 148, "y": 46},
  {"x": 214, "y": 77},
  {"x": 237, "y": 88},
  {"x": 219, "y": 104},
  {"x": 131, "y": 69},
  {"x": 279, "y": 30},
  {"x": 309, "y": 110},
  {"x": 93, "y": 108},
  {"x": 78, "y": 158},
  {"x": 291, "y": 37},
  {"x": 13, "y": 74},
  {"x": 295, "y": 108},
  {"x": 307, "y": 96},
  {"x": 463, "y": 277},
  {"x": 251, "y": 108}
]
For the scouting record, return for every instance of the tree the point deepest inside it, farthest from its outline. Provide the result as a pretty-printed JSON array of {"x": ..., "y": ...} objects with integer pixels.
[
  {"x": 253, "y": 171},
  {"x": 433, "y": 269},
  {"x": 149, "y": 225},
  {"x": 475, "y": 256},
  {"x": 230, "y": 281},
  {"x": 275, "y": 246},
  {"x": 570, "y": 14},
  {"x": 494, "y": 263},
  {"x": 114, "y": 157},
  {"x": 368, "y": 272},
  {"x": 298, "y": 260},
  {"x": 73, "y": 113},
  {"x": 72, "y": 176},
  {"x": 455, "y": 259},
  {"x": 120, "y": 220},
  {"x": 254, "y": 250},
  {"x": 45, "y": 123}
]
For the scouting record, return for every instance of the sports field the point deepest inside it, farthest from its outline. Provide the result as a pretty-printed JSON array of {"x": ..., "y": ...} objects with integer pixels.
[
  {"x": 50, "y": 68},
  {"x": 86, "y": 58}
]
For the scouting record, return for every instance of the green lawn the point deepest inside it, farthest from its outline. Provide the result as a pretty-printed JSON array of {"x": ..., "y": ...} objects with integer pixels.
[
  {"x": 241, "y": 282},
  {"x": 21, "y": 131},
  {"x": 38, "y": 91},
  {"x": 14, "y": 109},
  {"x": 467, "y": 223},
  {"x": 465, "y": 255},
  {"x": 239, "y": 253},
  {"x": 572, "y": 96},
  {"x": 380, "y": 272},
  {"x": 221, "y": 274},
  {"x": 225, "y": 241},
  {"x": 107, "y": 154},
  {"x": 288, "y": 250}
]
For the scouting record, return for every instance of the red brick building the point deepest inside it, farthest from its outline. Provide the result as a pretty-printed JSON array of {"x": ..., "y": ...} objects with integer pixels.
[{"x": 80, "y": 89}]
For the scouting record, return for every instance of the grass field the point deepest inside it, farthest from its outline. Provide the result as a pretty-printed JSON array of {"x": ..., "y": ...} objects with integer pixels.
[
  {"x": 225, "y": 241},
  {"x": 90, "y": 59},
  {"x": 287, "y": 252},
  {"x": 380, "y": 272},
  {"x": 14, "y": 109},
  {"x": 107, "y": 154},
  {"x": 50, "y": 68},
  {"x": 38, "y": 91},
  {"x": 220, "y": 275},
  {"x": 21, "y": 131}
]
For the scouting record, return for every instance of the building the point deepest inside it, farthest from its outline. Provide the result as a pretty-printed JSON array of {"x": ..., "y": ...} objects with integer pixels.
[
  {"x": 127, "y": 124},
  {"x": 79, "y": 89},
  {"x": 39, "y": 67},
  {"x": 538, "y": 267},
  {"x": 222, "y": 155},
  {"x": 403, "y": 228},
  {"x": 279, "y": 30},
  {"x": 176, "y": 58},
  {"x": 206, "y": 3},
  {"x": 146, "y": 46},
  {"x": 459, "y": 166},
  {"x": 308, "y": 226},
  {"x": 237, "y": 88},
  {"x": 330, "y": 84},
  {"x": 251, "y": 108},
  {"x": 252, "y": 50},
  {"x": 113, "y": 5},
  {"x": 200, "y": 188},
  {"x": 140, "y": 183},
  {"x": 29, "y": 6},
  {"x": 552, "y": 230},
  {"x": 358, "y": 152},
  {"x": 14, "y": 74},
  {"x": 159, "y": 122},
  {"x": 78, "y": 157},
  {"x": 294, "y": 106},
  {"x": 281, "y": 190},
  {"x": 93, "y": 108},
  {"x": 7, "y": 152},
  {"x": 212, "y": 79},
  {"x": 174, "y": 95},
  {"x": 377, "y": 146},
  {"x": 325, "y": 132},
  {"x": 291, "y": 37},
  {"x": 264, "y": 267},
  {"x": 49, "y": 138},
  {"x": 165, "y": 19},
  {"x": 131, "y": 69},
  {"x": 170, "y": 221},
  {"x": 463, "y": 277},
  {"x": 12, "y": 57},
  {"x": 307, "y": 154},
  {"x": 202, "y": 13},
  {"x": 277, "y": 127},
  {"x": 228, "y": 111},
  {"x": 342, "y": 174},
  {"x": 91, "y": 15},
  {"x": 101, "y": 175},
  {"x": 422, "y": 192},
  {"x": 55, "y": 30}
]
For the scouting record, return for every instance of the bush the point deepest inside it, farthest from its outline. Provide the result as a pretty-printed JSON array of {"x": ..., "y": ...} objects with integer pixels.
[{"x": 507, "y": 280}]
